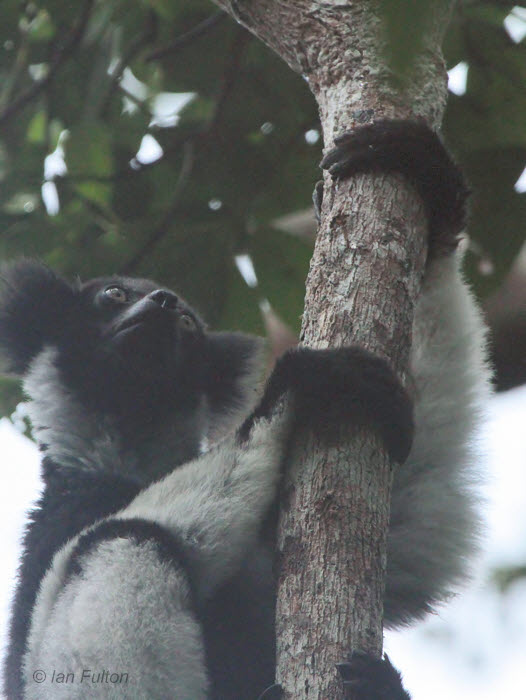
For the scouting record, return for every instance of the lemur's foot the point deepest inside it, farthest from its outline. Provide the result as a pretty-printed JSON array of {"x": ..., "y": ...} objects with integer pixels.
[
  {"x": 334, "y": 388},
  {"x": 414, "y": 150},
  {"x": 367, "y": 678},
  {"x": 273, "y": 692}
]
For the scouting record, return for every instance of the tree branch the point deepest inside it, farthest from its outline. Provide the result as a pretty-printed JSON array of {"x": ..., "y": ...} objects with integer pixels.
[
  {"x": 229, "y": 78},
  {"x": 184, "y": 39},
  {"x": 163, "y": 227},
  {"x": 362, "y": 287}
]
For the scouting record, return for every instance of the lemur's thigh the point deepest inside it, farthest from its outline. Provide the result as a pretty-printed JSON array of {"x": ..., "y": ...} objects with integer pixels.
[{"x": 123, "y": 623}]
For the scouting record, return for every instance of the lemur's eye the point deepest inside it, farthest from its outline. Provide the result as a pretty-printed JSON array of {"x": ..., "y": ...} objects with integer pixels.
[
  {"x": 187, "y": 322},
  {"x": 117, "y": 294}
]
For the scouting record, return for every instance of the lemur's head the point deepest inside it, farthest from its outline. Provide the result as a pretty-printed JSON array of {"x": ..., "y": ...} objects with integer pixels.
[{"x": 128, "y": 351}]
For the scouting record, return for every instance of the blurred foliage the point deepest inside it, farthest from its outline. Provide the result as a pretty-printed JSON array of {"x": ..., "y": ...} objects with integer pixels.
[
  {"x": 505, "y": 577},
  {"x": 87, "y": 81}
]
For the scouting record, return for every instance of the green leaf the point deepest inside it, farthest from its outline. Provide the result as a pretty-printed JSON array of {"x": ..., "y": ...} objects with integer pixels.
[
  {"x": 240, "y": 310},
  {"x": 489, "y": 13},
  {"x": 171, "y": 10},
  {"x": 36, "y": 132},
  {"x": 493, "y": 108},
  {"x": 88, "y": 151},
  {"x": 41, "y": 27}
]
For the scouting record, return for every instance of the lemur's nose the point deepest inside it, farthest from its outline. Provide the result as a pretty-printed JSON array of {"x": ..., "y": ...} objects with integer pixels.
[{"x": 165, "y": 298}]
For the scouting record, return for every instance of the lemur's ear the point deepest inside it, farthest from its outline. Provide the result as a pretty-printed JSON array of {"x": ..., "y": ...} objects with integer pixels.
[
  {"x": 236, "y": 363},
  {"x": 34, "y": 305}
]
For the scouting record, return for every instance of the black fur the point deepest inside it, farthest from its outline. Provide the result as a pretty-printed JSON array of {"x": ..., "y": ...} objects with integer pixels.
[
  {"x": 414, "y": 150},
  {"x": 43, "y": 300},
  {"x": 364, "y": 677},
  {"x": 238, "y": 623},
  {"x": 230, "y": 354},
  {"x": 368, "y": 678},
  {"x": 338, "y": 388}
]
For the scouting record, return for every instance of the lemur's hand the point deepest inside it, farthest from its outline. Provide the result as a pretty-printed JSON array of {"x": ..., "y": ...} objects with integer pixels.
[{"x": 331, "y": 389}]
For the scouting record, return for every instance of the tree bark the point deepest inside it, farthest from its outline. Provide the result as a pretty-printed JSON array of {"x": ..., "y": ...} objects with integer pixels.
[{"x": 362, "y": 286}]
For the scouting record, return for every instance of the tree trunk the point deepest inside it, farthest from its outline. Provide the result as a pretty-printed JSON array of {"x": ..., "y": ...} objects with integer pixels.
[{"x": 362, "y": 286}]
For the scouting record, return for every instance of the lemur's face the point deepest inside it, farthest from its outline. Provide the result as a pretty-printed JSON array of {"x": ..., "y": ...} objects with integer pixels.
[
  {"x": 139, "y": 342},
  {"x": 141, "y": 325},
  {"x": 120, "y": 347}
]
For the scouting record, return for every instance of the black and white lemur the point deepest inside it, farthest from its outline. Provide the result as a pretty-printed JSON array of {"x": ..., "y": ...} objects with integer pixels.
[{"x": 149, "y": 554}]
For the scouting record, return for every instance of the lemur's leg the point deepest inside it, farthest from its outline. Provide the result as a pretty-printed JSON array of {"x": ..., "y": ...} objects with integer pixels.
[
  {"x": 132, "y": 581},
  {"x": 119, "y": 601},
  {"x": 367, "y": 678},
  {"x": 364, "y": 678},
  {"x": 414, "y": 150},
  {"x": 433, "y": 522}
]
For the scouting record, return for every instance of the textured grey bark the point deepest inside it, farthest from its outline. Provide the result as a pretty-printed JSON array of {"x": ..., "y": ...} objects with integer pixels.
[{"x": 363, "y": 282}]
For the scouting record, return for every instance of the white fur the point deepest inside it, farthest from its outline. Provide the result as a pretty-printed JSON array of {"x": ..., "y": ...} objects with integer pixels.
[
  {"x": 217, "y": 502},
  {"x": 127, "y": 613},
  {"x": 433, "y": 510}
]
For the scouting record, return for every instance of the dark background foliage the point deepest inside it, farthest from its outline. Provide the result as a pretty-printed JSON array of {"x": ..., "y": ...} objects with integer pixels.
[{"x": 91, "y": 78}]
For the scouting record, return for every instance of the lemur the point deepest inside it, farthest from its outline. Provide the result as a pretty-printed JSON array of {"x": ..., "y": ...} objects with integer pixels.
[{"x": 148, "y": 553}]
